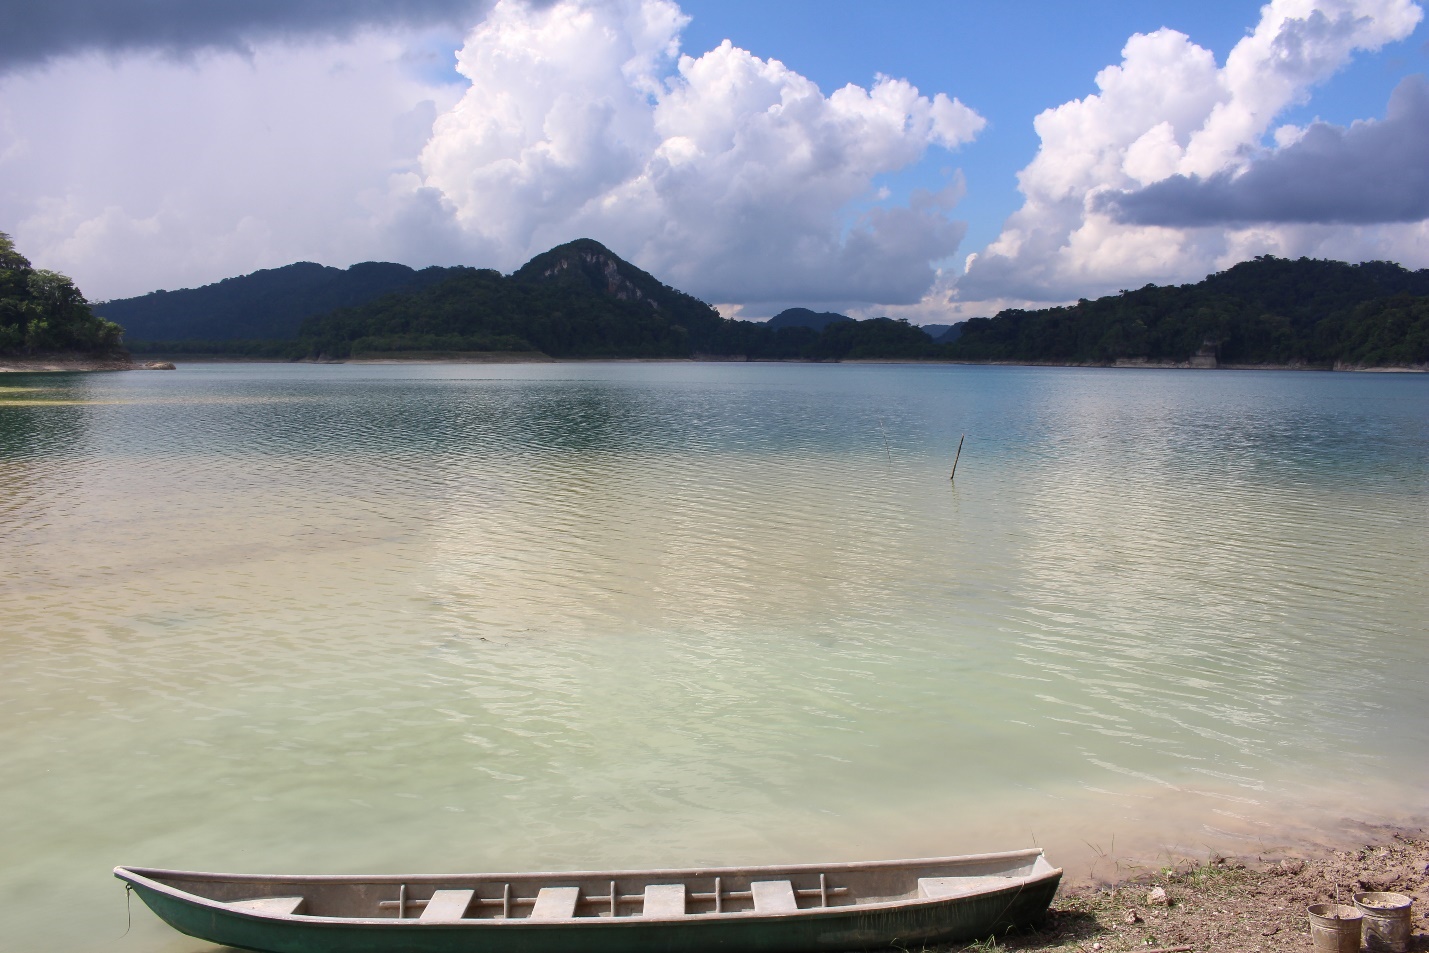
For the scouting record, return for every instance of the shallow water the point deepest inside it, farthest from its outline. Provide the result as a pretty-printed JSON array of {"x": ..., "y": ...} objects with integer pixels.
[{"x": 422, "y": 618}]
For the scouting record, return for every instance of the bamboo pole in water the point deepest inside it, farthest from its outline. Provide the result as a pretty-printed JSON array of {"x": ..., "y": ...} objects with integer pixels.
[
  {"x": 956, "y": 455},
  {"x": 885, "y": 440}
]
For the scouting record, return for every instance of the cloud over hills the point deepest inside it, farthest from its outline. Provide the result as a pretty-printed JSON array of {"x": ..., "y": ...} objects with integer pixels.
[
  {"x": 728, "y": 174},
  {"x": 1368, "y": 173},
  {"x": 1169, "y": 110}
]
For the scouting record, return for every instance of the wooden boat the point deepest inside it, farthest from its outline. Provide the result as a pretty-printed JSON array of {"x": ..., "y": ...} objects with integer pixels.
[{"x": 744, "y": 909}]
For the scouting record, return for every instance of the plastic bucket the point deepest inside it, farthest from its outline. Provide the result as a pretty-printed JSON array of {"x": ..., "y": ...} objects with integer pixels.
[
  {"x": 1335, "y": 928},
  {"x": 1387, "y": 927}
]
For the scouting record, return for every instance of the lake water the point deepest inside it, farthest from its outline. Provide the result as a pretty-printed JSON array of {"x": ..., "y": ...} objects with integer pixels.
[{"x": 440, "y": 618}]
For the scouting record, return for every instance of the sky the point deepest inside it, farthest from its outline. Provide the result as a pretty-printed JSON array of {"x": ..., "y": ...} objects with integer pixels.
[{"x": 925, "y": 159}]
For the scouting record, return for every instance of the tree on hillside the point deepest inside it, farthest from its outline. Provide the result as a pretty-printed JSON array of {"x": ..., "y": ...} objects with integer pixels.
[
  {"x": 43, "y": 312},
  {"x": 1264, "y": 311}
]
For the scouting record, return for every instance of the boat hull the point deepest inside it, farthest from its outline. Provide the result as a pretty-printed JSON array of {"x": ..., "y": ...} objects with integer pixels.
[{"x": 854, "y": 928}]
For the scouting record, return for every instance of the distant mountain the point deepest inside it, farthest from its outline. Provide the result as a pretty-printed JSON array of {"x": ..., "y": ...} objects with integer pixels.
[
  {"x": 949, "y": 334},
  {"x": 270, "y": 304},
  {"x": 583, "y": 300},
  {"x": 804, "y": 318},
  {"x": 1265, "y": 311},
  {"x": 576, "y": 300}
]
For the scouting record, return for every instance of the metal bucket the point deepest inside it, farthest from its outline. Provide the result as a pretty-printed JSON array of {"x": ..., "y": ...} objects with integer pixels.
[
  {"x": 1335, "y": 928},
  {"x": 1387, "y": 926}
]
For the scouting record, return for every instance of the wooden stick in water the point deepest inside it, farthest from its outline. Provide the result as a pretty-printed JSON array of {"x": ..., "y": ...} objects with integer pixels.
[
  {"x": 956, "y": 455},
  {"x": 885, "y": 440}
]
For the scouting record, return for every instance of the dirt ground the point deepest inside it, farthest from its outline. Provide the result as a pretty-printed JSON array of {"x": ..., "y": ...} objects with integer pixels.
[{"x": 1249, "y": 904}]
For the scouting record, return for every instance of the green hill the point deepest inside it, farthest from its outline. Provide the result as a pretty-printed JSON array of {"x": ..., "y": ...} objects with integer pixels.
[
  {"x": 1265, "y": 311},
  {"x": 581, "y": 300},
  {"x": 42, "y": 312},
  {"x": 266, "y": 305},
  {"x": 577, "y": 300},
  {"x": 804, "y": 318}
]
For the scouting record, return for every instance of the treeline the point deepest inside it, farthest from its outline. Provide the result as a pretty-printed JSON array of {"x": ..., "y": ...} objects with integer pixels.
[
  {"x": 577, "y": 300},
  {"x": 872, "y": 339},
  {"x": 264, "y": 349},
  {"x": 42, "y": 312},
  {"x": 267, "y": 305},
  {"x": 1265, "y": 311},
  {"x": 581, "y": 301},
  {"x": 559, "y": 304}
]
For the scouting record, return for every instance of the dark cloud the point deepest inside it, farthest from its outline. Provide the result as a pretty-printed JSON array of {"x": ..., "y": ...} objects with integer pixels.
[
  {"x": 32, "y": 31},
  {"x": 1371, "y": 172}
]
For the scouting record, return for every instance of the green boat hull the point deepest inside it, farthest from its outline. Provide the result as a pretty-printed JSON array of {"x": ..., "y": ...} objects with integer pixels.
[{"x": 834, "y": 928}]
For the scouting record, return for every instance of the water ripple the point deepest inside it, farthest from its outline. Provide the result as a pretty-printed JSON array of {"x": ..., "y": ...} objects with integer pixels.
[{"x": 336, "y": 618}]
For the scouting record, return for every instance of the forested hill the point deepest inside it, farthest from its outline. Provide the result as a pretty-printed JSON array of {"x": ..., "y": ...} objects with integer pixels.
[
  {"x": 582, "y": 300},
  {"x": 804, "y": 318},
  {"x": 270, "y": 304},
  {"x": 1265, "y": 311},
  {"x": 43, "y": 313},
  {"x": 576, "y": 300}
]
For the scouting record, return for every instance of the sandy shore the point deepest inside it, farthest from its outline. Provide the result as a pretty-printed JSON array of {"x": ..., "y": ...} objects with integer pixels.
[
  {"x": 64, "y": 363},
  {"x": 536, "y": 357},
  {"x": 1255, "y": 904}
]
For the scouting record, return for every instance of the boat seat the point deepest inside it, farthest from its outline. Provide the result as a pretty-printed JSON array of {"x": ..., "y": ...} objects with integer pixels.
[
  {"x": 447, "y": 906},
  {"x": 270, "y": 906},
  {"x": 664, "y": 900},
  {"x": 556, "y": 903},
  {"x": 774, "y": 896},
  {"x": 945, "y": 888}
]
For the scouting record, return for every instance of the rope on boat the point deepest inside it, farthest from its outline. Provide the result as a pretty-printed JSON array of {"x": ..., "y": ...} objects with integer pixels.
[{"x": 128, "y": 916}]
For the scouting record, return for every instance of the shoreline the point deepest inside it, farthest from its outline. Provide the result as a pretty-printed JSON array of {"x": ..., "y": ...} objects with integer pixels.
[
  {"x": 536, "y": 357},
  {"x": 1246, "y": 903},
  {"x": 66, "y": 363}
]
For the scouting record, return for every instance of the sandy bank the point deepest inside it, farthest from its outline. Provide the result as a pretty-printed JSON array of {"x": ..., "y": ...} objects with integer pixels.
[
  {"x": 536, "y": 357},
  {"x": 64, "y": 363}
]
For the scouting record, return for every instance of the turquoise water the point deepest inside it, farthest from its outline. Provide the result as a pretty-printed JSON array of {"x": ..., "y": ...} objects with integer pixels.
[{"x": 412, "y": 618}]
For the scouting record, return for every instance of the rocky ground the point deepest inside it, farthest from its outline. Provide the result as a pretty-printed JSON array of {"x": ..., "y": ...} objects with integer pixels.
[{"x": 1248, "y": 904}]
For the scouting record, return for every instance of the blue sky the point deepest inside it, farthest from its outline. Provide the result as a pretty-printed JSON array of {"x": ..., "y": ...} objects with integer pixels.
[
  {"x": 1010, "y": 61},
  {"x": 1007, "y": 60},
  {"x": 179, "y": 142}
]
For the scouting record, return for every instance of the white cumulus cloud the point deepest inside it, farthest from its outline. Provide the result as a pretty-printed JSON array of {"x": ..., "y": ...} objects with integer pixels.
[
  {"x": 726, "y": 174},
  {"x": 1168, "y": 109},
  {"x": 146, "y": 172}
]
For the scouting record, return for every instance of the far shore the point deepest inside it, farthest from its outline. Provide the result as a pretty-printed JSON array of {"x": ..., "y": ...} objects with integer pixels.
[
  {"x": 60, "y": 363},
  {"x": 536, "y": 357},
  {"x": 65, "y": 363}
]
